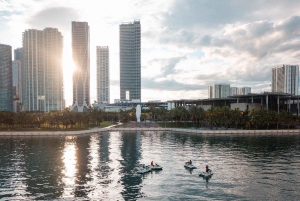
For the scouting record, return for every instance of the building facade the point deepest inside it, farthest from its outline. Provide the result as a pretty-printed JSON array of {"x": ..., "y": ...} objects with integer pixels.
[
  {"x": 81, "y": 58},
  {"x": 103, "y": 88},
  {"x": 43, "y": 72},
  {"x": 285, "y": 79},
  {"x": 219, "y": 91},
  {"x": 239, "y": 91},
  {"x": 16, "y": 79},
  {"x": 130, "y": 61},
  {"x": 6, "y": 91}
]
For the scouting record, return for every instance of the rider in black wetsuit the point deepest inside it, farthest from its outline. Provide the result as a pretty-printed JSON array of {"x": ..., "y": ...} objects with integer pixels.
[{"x": 207, "y": 169}]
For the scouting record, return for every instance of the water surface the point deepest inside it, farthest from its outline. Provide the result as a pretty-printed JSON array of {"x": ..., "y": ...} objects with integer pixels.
[{"x": 103, "y": 167}]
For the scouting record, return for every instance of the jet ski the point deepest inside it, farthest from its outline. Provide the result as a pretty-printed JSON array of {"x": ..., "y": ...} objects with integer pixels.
[
  {"x": 156, "y": 167},
  {"x": 190, "y": 166},
  {"x": 206, "y": 174},
  {"x": 144, "y": 169}
]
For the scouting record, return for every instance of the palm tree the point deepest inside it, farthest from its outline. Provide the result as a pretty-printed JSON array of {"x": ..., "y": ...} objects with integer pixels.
[
  {"x": 236, "y": 115},
  {"x": 193, "y": 114}
]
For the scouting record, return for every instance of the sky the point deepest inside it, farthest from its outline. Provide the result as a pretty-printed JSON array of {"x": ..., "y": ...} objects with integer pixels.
[{"x": 187, "y": 45}]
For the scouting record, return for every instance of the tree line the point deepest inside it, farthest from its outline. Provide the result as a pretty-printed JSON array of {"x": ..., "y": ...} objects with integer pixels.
[{"x": 197, "y": 117}]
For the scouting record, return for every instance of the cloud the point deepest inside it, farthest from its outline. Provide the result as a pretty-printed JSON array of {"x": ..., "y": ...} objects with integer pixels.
[
  {"x": 169, "y": 85},
  {"x": 57, "y": 17},
  {"x": 213, "y": 15}
]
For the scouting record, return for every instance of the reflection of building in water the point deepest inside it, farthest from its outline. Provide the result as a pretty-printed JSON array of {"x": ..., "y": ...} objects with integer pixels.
[
  {"x": 83, "y": 167},
  {"x": 41, "y": 159},
  {"x": 130, "y": 152},
  {"x": 93, "y": 165}
]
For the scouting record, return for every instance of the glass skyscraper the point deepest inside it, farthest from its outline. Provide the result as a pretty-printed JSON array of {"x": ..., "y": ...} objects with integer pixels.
[
  {"x": 6, "y": 92},
  {"x": 130, "y": 61},
  {"x": 81, "y": 58}
]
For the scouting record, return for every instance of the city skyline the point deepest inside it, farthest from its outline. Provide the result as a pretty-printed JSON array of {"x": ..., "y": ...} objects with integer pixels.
[{"x": 186, "y": 45}]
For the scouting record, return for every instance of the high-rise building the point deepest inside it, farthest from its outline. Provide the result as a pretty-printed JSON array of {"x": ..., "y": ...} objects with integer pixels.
[
  {"x": 245, "y": 90},
  {"x": 6, "y": 97},
  {"x": 233, "y": 91},
  {"x": 18, "y": 54},
  {"x": 81, "y": 57},
  {"x": 16, "y": 78},
  {"x": 219, "y": 91},
  {"x": 130, "y": 61},
  {"x": 239, "y": 91},
  {"x": 103, "y": 89},
  {"x": 285, "y": 79},
  {"x": 43, "y": 73}
]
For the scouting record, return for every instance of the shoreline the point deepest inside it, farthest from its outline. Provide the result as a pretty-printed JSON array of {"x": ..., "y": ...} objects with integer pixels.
[{"x": 112, "y": 129}]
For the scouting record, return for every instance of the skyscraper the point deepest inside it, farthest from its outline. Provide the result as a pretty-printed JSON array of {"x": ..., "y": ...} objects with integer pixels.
[
  {"x": 16, "y": 78},
  {"x": 18, "y": 60},
  {"x": 130, "y": 60},
  {"x": 81, "y": 57},
  {"x": 285, "y": 79},
  {"x": 43, "y": 73},
  {"x": 6, "y": 97},
  {"x": 103, "y": 89}
]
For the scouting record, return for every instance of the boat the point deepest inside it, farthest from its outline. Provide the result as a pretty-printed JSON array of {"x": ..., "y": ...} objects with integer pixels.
[
  {"x": 144, "y": 169},
  {"x": 190, "y": 166},
  {"x": 156, "y": 167},
  {"x": 206, "y": 174}
]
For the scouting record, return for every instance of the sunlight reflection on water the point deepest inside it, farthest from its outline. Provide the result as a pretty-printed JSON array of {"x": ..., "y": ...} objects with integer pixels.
[{"x": 69, "y": 170}]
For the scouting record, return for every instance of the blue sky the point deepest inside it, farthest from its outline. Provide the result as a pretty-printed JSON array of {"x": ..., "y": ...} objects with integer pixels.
[{"x": 187, "y": 45}]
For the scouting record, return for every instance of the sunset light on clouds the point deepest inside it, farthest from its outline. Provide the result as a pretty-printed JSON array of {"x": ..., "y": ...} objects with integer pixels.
[{"x": 187, "y": 45}]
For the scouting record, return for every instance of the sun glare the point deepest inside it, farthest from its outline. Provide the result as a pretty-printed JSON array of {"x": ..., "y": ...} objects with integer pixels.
[{"x": 69, "y": 160}]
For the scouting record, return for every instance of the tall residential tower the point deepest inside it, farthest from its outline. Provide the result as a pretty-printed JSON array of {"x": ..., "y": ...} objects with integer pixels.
[
  {"x": 130, "y": 61},
  {"x": 81, "y": 58},
  {"x": 285, "y": 79},
  {"x": 6, "y": 97},
  {"x": 103, "y": 89},
  {"x": 43, "y": 73}
]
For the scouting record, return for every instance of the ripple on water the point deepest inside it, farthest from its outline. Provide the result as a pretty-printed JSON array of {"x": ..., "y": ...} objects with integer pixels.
[{"x": 103, "y": 166}]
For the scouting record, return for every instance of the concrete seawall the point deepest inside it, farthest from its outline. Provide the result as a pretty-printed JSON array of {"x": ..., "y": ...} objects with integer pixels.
[{"x": 112, "y": 129}]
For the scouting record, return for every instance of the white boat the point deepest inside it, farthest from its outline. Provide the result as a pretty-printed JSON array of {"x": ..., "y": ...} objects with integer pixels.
[
  {"x": 190, "y": 166},
  {"x": 156, "y": 167},
  {"x": 144, "y": 169},
  {"x": 206, "y": 174}
]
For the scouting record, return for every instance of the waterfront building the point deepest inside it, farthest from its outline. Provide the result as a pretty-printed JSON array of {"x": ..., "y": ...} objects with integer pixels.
[
  {"x": 285, "y": 79},
  {"x": 18, "y": 54},
  {"x": 6, "y": 91},
  {"x": 233, "y": 91},
  {"x": 81, "y": 58},
  {"x": 244, "y": 90},
  {"x": 16, "y": 78},
  {"x": 43, "y": 73},
  {"x": 130, "y": 60},
  {"x": 219, "y": 91},
  {"x": 103, "y": 88},
  {"x": 239, "y": 91}
]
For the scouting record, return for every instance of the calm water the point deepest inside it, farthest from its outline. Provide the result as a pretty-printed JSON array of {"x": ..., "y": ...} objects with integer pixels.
[{"x": 102, "y": 167}]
